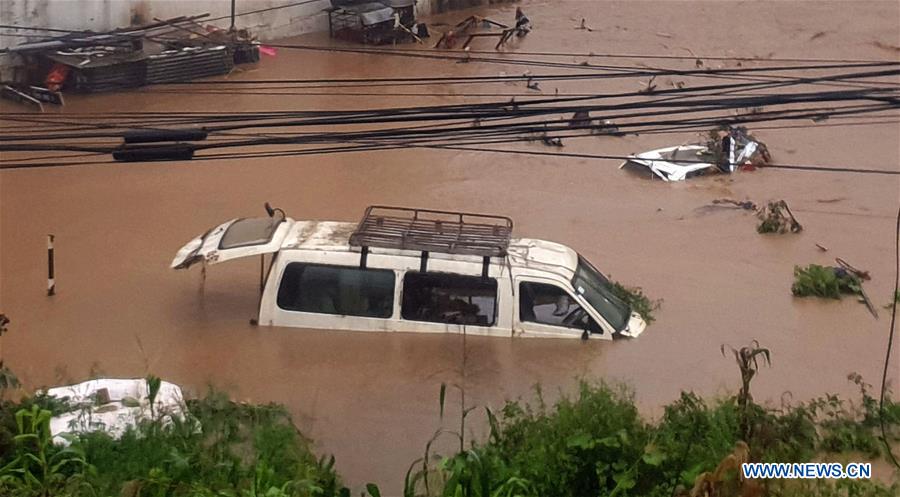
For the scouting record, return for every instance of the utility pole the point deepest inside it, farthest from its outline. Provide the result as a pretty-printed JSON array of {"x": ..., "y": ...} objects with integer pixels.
[{"x": 232, "y": 14}]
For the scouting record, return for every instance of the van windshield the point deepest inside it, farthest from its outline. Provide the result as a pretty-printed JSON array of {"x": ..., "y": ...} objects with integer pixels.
[{"x": 595, "y": 288}]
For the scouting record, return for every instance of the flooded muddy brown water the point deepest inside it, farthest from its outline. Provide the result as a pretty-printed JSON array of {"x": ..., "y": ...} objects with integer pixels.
[{"x": 372, "y": 399}]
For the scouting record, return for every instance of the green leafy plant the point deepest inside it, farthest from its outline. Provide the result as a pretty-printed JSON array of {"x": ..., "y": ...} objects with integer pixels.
[
  {"x": 39, "y": 468},
  {"x": 827, "y": 282},
  {"x": 153, "y": 385},
  {"x": 590, "y": 443}
]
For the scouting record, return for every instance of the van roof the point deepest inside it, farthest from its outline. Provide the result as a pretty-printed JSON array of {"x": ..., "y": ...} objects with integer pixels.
[{"x": 523, "y": 253}]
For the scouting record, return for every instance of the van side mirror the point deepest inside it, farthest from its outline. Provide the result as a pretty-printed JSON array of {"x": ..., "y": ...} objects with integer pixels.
[{"x": 272, "y": 210}]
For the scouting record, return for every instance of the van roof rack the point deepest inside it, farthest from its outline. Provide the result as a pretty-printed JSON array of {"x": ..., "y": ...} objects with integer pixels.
[{"x": 428, "y": 230}]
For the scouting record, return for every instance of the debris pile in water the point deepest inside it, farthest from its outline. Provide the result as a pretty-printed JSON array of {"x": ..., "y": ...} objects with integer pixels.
[
  {"x": 832, "y": 282},
  {"x": 758, "y": 156},
  {"x": 776, "y": 217}
]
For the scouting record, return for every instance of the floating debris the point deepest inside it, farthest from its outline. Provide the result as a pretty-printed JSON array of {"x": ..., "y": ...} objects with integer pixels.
[
  {"x": 831, "y": 282},
  {"x": 375, "y": 23},
  {"x": 649, "y": 86},
  {"x": 746, "y": 204},
  {"x": 733, "y": 147},
  {"x": 30, "y": 95},
  {"x": 471, "y": 23},
  {"x": 552, "y": 142},
  {"x": 580, "y": 119},
  {"x": 776, "y": 217},
  {"x": 859, "y": 273},
  {"x": 824, "y": 281},
  {"x": 584, "y": 25},
  {"x": 741, "y": 150}
]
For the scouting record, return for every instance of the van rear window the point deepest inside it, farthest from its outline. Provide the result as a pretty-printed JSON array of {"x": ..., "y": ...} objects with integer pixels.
[
  {"x": 249, "y": 232},
  {"x": 340, "y": 290},
  {"x": 449, "y": 298}
]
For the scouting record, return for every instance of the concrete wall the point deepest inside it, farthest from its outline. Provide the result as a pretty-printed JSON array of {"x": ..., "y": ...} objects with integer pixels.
[
  {"x": 104, "y": 15},
  {"x": 427, "y": 7}
]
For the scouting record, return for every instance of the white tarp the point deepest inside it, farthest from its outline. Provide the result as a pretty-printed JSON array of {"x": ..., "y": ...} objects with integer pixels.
[{"x": 128, "y": 404}]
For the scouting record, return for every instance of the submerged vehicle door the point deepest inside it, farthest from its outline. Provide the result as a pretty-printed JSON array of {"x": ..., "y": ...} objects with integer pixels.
[
  {"x": 545, "y": 308},
  {"x": 237, "y": 238}
]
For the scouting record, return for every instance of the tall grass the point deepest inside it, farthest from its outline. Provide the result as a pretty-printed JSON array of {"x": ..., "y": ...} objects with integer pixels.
[
  {"x": 219, "y": 448},
  {"x": 596, "y": 444},
  {"x": 593, "y": 443}
]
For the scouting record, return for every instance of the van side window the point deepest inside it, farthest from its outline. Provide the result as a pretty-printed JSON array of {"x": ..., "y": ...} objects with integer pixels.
[
  {"x": 551, "y": 305},
  {"x": 449, "y": 298},
  {"x": 342, "y": 290}
]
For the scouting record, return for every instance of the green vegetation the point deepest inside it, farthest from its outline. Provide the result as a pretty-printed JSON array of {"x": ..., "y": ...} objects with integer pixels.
[
  {"x": 595, "y": 444},
  {"x": 635, "y": 298},
  {"x": 221, "y": 448},
  {"x": 820, "y": 281},
  {"x": 592, "y": 443}
]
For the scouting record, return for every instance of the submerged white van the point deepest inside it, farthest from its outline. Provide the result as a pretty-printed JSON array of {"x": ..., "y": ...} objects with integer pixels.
[{"x": 418, "y": 270}]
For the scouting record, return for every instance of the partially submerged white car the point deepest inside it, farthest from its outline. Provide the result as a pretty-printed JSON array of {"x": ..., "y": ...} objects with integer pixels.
[
  {"x": 113, "y": 406},
  {"x": 683, "y": 161},
  {"x": 418, "y": 270}
]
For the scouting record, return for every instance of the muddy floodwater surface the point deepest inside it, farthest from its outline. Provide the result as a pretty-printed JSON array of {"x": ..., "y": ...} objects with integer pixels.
[{"x": 371, "y": 399}]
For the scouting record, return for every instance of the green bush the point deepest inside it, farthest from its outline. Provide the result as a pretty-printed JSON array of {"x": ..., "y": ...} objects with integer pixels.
[
  {"x": 588, "y": 445},
  {"x": 591, "y": 444},
  {"x": 220, "y": 448},
  {"x": 820, "y": 281},
  {"x": 595, "y": 444}
]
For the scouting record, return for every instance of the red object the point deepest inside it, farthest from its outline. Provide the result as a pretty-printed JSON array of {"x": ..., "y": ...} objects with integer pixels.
[{"x": 56, "y": 77}]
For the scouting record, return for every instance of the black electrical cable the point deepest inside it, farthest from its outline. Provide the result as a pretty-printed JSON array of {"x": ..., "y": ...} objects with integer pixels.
[
  {"x": 636, "y": 71},
  {"x": 689, "y": 91},
  {"x": 608, "y": 55},
  {"x": 499, "y": 109},
  {"x": 510, "y": 128},
  {"x": 431, "y": 132},
  {"x": 466, "y": 57},
  {"x": 701, "y": 128},
  {"x": 361, "y": 148}
]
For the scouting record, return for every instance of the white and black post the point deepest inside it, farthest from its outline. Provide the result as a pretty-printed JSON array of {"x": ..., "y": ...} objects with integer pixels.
[{"x": 51, "y": 280}]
